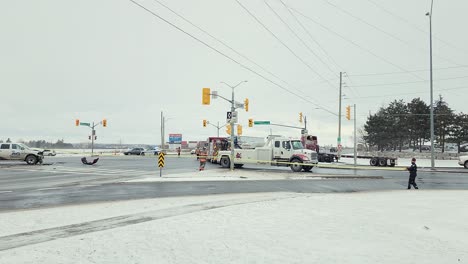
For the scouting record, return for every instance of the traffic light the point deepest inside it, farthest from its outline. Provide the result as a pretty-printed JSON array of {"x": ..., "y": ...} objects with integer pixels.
[
  {"x": 239, "y": 130},
  {"x": 104, "y": 122},
  {"x": 300, "y": 117},
  {"x": 89, "y": 137},
  {"x": 228, "y": 129},
  {"x": 77, "y": 122},
  {"x": 206, "y": 96},
  {"x": 250, "y": 122},
  {"x": 348, "y": 112},
  {"x": 204, "y": 123},
  {"x": 246, "y": 104}
]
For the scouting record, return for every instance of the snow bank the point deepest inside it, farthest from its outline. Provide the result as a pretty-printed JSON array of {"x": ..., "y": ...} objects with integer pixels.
[{"x": 385, "y": 227}]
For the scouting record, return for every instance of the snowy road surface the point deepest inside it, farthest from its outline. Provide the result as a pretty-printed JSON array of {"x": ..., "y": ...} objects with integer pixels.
[{"x": 368, "y": 227}]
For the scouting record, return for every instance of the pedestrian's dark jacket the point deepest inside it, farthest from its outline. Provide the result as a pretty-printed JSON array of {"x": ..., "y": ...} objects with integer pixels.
[{"x": 413, "y": 169}]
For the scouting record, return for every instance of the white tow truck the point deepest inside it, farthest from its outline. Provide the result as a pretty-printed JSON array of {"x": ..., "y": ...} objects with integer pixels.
[{"x": 277, "y": 151}]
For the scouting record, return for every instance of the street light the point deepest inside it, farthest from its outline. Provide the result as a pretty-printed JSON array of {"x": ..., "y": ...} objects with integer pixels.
[
  {"x": 233, "y": 109},
  {"x": 429, "y": 14}
]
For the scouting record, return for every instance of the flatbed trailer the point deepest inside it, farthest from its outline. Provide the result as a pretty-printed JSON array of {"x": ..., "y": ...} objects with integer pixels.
[{"x": 376, "y": 160}]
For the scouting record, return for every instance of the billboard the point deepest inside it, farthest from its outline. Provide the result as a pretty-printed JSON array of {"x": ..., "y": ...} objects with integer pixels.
[{"x": 175, "y": 138}]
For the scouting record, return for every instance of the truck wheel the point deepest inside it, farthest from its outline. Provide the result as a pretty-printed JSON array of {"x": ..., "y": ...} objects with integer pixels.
[
  {"x": 373, "y": 162},
  {"x": 308, "y": 168},
  {"x": 466, "y": 164},
  {"x": 296, "y": 165},
  {"x": 225, "y": 162},
  {"x": 142, "y": 153},
  {"x": 31, "y": 159},
  {"x": 382, "y": 162},
  {"x": 238, "y": 165},
  {"x": 327, "y": 159}
]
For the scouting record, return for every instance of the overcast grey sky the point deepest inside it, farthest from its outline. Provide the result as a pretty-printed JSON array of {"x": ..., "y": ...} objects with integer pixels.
[{"x": 94, "y": 59}]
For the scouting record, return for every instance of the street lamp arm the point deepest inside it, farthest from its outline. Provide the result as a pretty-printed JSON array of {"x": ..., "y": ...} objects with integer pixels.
[
  {"x": 224, "y": 98},
  {"x": 234, "y": 85}
]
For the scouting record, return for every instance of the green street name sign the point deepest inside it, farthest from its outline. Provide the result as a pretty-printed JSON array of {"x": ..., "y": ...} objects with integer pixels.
[
  {"x": 261, "y": 122},
  {"x": 85, "y": 124}
]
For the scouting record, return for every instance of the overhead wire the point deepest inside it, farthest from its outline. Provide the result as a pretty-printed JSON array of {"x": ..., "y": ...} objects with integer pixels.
[
  {"x": 278, "y": 39},
  {"x": 413, "y": 25},
  {"x": 400, "y": 83},
  {"x": 353, "y": 42},
  {"x": 229, "y": 58},
  {"x": 404, "y": 72},
  {"x": 221, "y": 42},
  {"x": 299, "y": 38},
  {"x": 383, "y": 31}
]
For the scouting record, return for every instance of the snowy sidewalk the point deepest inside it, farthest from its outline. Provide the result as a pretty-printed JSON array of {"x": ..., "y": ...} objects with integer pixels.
[{"x": 384, "y": 227}]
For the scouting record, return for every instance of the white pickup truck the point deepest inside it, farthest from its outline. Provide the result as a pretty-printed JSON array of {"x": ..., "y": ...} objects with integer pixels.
[
  {"x": 463, "y": 161},
  {"x": 19, "y": 151},
  {"x": 277, "y": 151}
]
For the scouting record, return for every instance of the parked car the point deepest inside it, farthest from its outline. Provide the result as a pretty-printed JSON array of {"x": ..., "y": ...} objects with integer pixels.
[
  {"x": 19, "y": 151},
  {"x": 463, "y": 161},
  {"x": 135, "y": 151},
  {"x": 48, "y": 152}
]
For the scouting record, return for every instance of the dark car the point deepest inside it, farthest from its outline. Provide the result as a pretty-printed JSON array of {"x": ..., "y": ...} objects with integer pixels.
[{"x": 135, "y": 151}]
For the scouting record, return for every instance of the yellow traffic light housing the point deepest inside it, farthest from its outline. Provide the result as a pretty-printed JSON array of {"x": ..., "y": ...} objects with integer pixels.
[
  {"x": 77, "y": 122},
  {"x": 206, "y": 96},
  {"x": 239, "y": 130},
  {"x": 246, "y": 104},
  {"x": 348, "y": 112},
  {"x": 104, "y": 122},
  {"x": 204, "y": 123},
  {"x": 228, "y": 129},
  {"x": 300, "y": 117},
  {"x": 250, "y": 122}
]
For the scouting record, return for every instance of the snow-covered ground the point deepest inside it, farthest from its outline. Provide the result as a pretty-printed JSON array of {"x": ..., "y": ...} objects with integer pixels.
[{"x": 385, "y": 227}]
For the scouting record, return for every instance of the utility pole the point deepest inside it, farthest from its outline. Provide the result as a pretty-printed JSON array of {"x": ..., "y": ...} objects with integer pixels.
[
  {"x": 355, "y": 139},
  {"x": 431, "y": 87},
  {"x": 93, "y": 133},
  {"x": 339, "y": 117},
  {"x": 232, "y": 123},
  {"x": 162, "y": 132}
]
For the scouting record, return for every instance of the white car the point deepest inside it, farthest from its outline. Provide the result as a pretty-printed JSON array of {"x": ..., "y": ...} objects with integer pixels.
[
  {"x": 463, "y": 161},
  {"x": 19, "y": 151}
]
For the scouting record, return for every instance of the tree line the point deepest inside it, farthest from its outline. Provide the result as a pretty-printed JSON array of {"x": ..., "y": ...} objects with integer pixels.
[
  {"x": 402, "y": 124},
  {"x": 60, "y": 144}
]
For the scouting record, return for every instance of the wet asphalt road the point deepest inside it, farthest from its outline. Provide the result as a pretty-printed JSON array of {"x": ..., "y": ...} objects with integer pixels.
[{"x": 66, "y": 181}]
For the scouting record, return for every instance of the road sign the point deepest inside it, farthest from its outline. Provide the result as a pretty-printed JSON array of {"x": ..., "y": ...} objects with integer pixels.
[
  {"x": 175, "y": 138},
  {"x": 234, "y": 117},
  {"x": 228, "y": 117},
  {"x": 85, "y": 124},
  {"x": 161, "y": 160},
  {"x": 261, "y": 122}
]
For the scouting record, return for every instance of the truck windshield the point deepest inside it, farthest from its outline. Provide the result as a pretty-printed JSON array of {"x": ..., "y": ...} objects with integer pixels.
[{"x": 296, "y": 144}]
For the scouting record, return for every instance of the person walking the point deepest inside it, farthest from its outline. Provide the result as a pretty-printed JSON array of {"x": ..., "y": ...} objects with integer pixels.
[
  {"x": 178, "y": 152},
  {"x": 203, "y": 156},
  {"x": 412, "y": 174}
]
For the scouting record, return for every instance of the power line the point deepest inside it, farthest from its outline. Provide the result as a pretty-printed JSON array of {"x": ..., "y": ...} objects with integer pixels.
[
  {"x": 221, "y": 42},
  {"x": 299, "y": 38},
  {"x": 353, "y": 43},
  {"x": 404, "y": 72},
  {"x": 311, "y": 37},
  {"x": 400, "y": 83},
  {"x": 381, "y": 30},
  {"x": 413, "y": 25},
  {"x": 278, "y": 39},
  {"x": 390, "y": 95},
  {"x": 228, "y": 57}
]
